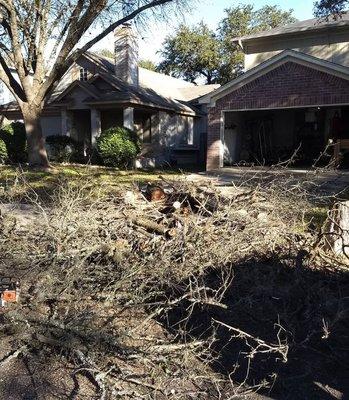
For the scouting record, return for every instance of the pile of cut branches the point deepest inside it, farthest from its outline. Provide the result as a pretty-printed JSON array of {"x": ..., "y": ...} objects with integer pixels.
[{"x": 113, "y": 286}]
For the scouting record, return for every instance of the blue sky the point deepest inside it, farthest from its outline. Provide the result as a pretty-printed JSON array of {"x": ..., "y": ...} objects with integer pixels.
[{"x": 211, "y": 12}]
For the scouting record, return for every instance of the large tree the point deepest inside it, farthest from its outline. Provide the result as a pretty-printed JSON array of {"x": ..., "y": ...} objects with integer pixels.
[
  {"x": 41, "y": 38},
  {"x": 105, "y": 53},
  {"x": 245, "y": 20},
  {"x": 330, "y": 8},
  {"x": 148, "y": 64},
  {"x": 193, "y": 52},
  {"x": 197, "y": 52}
]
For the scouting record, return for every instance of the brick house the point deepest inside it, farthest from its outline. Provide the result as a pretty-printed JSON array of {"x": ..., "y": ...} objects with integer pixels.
[
  {"x": 98, "y": 92},
  {"x": 294, "y": 95}
]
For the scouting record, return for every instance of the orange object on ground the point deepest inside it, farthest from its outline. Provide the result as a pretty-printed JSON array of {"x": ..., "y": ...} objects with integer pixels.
[{"x": 10, "y": 296}]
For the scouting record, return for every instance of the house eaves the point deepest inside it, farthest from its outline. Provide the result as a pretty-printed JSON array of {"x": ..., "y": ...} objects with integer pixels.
[
  {"x": 139, "y": 103},
  {"x": 313, "y": 25}
]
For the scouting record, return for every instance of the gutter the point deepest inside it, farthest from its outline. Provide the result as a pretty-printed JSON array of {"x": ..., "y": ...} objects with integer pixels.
[
  {"x": 145, "y": 105},
  {"x": 239, "y": 43}
]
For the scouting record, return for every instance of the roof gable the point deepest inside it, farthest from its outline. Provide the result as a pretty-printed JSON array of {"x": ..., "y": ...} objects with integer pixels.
[
  {"x": 288, "y": 85},
  {"x": 78, "y": 86},
  {"x": 287, "y": 56}
]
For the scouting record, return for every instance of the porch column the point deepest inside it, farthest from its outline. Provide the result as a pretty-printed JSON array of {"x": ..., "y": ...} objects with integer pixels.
[
  {"x": 96, "y": 127},
  {"x": 215, "y": 135},
  {"x": 66, "y": 123},
  {"x": 129, "y": 118}
]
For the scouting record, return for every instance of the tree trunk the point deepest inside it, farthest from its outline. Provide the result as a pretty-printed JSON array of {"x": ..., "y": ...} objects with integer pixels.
[
  {"x": 337, "y": 229},
  {"x": 37, "y": 155}
]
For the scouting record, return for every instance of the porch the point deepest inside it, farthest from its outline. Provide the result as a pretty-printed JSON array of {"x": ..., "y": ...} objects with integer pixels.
[
  {"x": 167, "y": 138},
  {"x": 85, "y": 125}
]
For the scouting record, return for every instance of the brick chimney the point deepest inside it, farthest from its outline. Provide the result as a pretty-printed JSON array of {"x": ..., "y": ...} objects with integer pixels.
[{"x": 126, "y": 54}]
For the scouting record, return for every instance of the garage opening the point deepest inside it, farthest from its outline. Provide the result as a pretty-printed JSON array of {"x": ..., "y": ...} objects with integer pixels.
[{"x": 266, "y": 137}]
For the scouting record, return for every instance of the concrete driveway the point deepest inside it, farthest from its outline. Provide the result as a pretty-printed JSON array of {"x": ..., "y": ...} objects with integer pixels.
[{"x": 329, "y": 182}]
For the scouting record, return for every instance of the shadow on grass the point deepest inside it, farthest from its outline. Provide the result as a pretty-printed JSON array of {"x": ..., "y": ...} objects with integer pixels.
[{"x": 311, "y": 306}]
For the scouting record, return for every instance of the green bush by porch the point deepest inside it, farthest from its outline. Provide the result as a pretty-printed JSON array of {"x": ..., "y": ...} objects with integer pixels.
[
  {"x": 14, "y": 137},
  {"x": 3, "y": 152},
  {"x": 118, "y": 147},
  {"x": 62, "y": 148}
]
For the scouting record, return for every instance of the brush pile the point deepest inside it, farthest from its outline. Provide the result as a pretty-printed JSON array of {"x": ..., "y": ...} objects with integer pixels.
[{"x": 123, "y": 296}]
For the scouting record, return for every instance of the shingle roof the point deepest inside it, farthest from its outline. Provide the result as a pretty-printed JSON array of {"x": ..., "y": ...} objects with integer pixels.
[
  {"x": 155, "y": 90},
  {"x": 164, "y": 95},
  {"x": 195, "y": 92},
  {"x": 299, "y": 27},
  {"x": 162, "y": 84},
  {"x": 106, "y": 62},
  {"x": 124, "y": 93}
]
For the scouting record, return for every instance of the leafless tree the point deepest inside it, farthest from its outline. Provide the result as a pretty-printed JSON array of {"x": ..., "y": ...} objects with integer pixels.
[{"x": 41, "y": 38}]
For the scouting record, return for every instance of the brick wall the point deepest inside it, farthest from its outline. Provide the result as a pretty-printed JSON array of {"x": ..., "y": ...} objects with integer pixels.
[
  {"x": 213, "y": 138},
  {"x": 289, "y": 85}
]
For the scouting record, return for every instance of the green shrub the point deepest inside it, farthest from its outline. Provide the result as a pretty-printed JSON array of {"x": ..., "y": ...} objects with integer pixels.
[
  {"x": 3, "y": 152},
  {"x": 61, "y": 148},
  {"x": 15, "y": 139},
  {"x": 118, "y": 147}
]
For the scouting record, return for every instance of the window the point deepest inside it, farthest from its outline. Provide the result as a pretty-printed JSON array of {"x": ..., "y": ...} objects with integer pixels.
[{"x": 83, "y": 74}]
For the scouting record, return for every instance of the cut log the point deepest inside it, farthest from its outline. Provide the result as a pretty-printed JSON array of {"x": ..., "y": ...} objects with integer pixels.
[
  {"x": 336, "y": 230},
  {"x": 149, "y": 225},
  {"x": 155, "y": 193}
]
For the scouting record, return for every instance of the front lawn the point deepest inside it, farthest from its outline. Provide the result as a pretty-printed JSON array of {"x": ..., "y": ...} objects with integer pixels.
[{"x": 17, "y": 182}]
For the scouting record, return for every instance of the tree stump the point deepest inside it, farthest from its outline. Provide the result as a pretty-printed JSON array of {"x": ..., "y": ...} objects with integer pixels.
[{"x": 336, "y": 230}]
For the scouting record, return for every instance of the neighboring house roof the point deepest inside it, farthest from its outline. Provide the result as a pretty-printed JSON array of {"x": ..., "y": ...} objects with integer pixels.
[
  {"x": 11, "y": 106},
  {"x": 272, "y": 63},
  {"x": 299, "y": 27}
]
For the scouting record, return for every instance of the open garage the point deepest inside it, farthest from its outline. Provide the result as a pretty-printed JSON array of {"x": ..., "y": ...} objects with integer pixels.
[{"x": 264, "y": 137}]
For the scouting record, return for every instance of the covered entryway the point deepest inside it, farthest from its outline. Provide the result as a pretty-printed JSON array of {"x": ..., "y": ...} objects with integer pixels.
[
  {"x": 265, "y": 137},
  {"x": 81, "y": 126},
  {"x": 85, "y": 125}
]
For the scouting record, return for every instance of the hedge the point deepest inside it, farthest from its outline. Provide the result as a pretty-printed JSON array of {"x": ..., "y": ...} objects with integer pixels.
[{"x": 118, "y": 147}]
